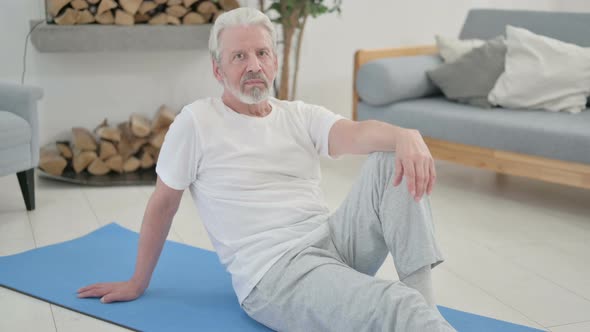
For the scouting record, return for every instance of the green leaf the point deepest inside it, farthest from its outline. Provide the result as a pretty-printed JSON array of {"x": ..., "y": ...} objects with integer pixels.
[{"x": 314, "y": 8}]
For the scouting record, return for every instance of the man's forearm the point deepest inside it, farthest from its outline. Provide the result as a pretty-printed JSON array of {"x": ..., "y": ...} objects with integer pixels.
[
  {"x": 375, "y": 135},
  {"x": 154, "y": 230}
]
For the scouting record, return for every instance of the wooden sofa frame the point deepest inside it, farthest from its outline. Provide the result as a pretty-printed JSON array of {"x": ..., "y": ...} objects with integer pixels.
[{"x": 550, "y": 170}]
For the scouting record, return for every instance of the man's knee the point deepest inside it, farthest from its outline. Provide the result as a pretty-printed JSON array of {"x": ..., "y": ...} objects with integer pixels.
[
  {"x": 383, "y": 162},
  {"x": 382, "y": 155},
  {"x": 382, "y": 158}
]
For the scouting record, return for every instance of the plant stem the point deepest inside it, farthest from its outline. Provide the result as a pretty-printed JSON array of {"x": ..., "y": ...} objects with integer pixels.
[
  {"x": 298, "y": 55},
  {"x": 287, "y": 41}
]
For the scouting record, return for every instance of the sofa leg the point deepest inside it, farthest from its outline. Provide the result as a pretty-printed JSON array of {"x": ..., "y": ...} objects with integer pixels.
[{"x": 26, "y": 180}]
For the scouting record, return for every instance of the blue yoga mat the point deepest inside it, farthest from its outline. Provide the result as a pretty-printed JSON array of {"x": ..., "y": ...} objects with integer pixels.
[{"x": 190, "y": 290}]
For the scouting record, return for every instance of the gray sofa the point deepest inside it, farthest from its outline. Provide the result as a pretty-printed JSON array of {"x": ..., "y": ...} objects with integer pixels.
[
  {"x": 19, "y": 136},
  {"x": 391, "y": 85}
]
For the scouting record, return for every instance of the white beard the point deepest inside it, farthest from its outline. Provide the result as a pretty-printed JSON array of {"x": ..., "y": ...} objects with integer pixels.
[{"x": 255, "y": 96}]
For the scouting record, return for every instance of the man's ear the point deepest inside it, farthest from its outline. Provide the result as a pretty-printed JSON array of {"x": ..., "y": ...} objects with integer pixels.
[{"x": 216, "y": 70}]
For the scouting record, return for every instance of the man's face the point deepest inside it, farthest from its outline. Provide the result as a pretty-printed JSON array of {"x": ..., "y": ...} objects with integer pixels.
[{"x": 248, "y": 65}]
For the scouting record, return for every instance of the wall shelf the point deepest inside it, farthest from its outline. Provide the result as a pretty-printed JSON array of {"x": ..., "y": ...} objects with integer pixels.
[{"x": 115, "y": 38}]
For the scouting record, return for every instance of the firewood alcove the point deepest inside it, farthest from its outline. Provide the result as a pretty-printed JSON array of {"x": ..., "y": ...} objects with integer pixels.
[
  {"x": 126, "y": 25},
  {"x": 122, "y": 154}
]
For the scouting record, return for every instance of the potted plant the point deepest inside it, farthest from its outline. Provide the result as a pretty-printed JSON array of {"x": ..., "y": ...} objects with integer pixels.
[{"x": 291, "y": 16}]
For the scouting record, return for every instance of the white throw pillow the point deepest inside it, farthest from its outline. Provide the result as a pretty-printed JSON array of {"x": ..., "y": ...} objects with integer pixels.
[
  {"x": 542, "y": 73},
  {"x": 451, "y": 49}
]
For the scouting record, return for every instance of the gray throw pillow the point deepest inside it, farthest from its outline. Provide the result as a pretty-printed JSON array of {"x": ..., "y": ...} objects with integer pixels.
[{"x": 470, "y": 78}]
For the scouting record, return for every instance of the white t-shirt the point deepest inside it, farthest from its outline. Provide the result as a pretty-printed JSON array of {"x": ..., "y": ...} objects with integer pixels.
[{"x": 255, "y": 180}]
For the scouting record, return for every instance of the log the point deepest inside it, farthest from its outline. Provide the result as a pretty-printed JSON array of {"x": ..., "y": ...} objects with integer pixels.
[
  {"x": 173, "y": 2},
  {"x": 158, "y": 139},
  {"x": 107, "y": 150},
  {"x": 228, "y": 5},
  {"x": 129, "y": 144},
  {"x": 142, "y": 18},
  {"x": 159, "y": 19},
  {"x": 193, "y": 18},
  {"x": 109, "y": 134},
  {"x": 98, "y": 167},
  {"x": 93, "y": 2},
  {"x": 106, "y": 5},
  {"x": 177, "y": 11},
  {"x": 104, "y": 123},
  {"x": 124, "y": 146},
  {"x": 131, "y": 165},
  {"x": 85, "y": 17},
  {"x": 163, "y": 118},
  {"x": 105, "y": 18},
  {"x": 82, "y": 159},
  {"x": 54, "y": 6},
  {"x": 51, "y": 162},
  {"x": 140, "y": 125},
  {"x": 146, "y": 160},
  {"x": 115, "y": 163},
  {"x": 123, "y": 18},
  {"x": 153, "y": 151},
  {"x": 173, "y": 20},
  {"x": 130, "y": 6},
  {"x": 64, "y": 149},
  {"x": 79, "y": 4},
  {"x": 207, "y": 9},
  {"x": 188, "y": 3},
  {"x": 69, "y": 17},
  {"x": 147, "y": 6},
  {"x": 82, "y": 139}
]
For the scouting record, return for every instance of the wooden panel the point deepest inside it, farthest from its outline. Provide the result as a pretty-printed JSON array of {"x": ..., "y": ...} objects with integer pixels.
[{"x": 550, "y": 170}]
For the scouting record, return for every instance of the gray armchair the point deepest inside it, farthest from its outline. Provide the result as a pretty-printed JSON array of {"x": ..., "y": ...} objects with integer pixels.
[{"x": 19, "y": 136}]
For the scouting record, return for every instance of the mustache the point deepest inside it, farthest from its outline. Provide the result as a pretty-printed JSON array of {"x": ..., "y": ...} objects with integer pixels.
[{"x": 254, "y": 76}]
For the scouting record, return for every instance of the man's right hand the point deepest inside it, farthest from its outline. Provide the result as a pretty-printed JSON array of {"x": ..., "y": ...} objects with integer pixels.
[
  {"x": 112, "y": 291},
  {"x": 155, "y": 227}
]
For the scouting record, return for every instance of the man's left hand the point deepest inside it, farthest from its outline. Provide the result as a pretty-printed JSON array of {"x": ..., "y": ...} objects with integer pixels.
[{"x": 414, "y": 161}]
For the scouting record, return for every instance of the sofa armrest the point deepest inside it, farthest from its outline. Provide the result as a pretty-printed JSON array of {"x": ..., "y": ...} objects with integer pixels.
[
  {"x": 364, "y": 56},
  {"x": 385, "y": 81},
  {"x": 22, "y": 101}
]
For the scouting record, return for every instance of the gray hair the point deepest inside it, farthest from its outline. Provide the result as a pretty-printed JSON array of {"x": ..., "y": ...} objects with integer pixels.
[{"x": 239, "y": 16}]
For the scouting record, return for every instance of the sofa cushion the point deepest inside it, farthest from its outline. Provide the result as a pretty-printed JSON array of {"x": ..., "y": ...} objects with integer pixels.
[
  {"x": 561, "y": 136},
  {"x": 470, "y": 78},
  {"x": 14, "y": 130},
  {"x": 451, "y": 48},
  {"x": 385, "y": 81},
  {"x": 542, "y": 73}
]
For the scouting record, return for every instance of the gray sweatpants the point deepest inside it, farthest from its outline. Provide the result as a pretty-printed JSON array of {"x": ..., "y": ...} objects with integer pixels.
[{"x": 327, "y": 283}]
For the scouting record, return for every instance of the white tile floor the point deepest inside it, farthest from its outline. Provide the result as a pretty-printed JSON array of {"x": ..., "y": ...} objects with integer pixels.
[{"x": 516, "y": 249}]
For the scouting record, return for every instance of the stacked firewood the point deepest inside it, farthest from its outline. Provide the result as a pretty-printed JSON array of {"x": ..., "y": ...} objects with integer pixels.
[
  {"x": 130, "y": 12},
  {"x": 127, "y": 147}
]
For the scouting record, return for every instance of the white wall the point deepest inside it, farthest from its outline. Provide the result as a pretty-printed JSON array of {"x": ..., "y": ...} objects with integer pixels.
[{"x": 82, "y": 89}]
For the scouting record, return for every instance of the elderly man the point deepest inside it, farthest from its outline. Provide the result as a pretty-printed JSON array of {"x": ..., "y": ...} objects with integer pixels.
[{"x": 252, "y": 165}]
